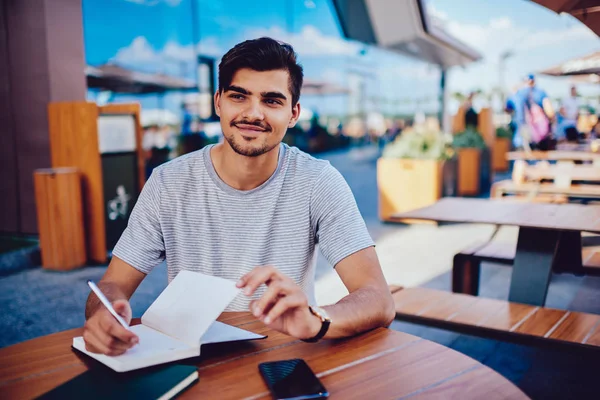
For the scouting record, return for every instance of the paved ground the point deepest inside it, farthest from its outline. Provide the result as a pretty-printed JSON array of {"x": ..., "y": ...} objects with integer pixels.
[{"x": 37, "y": 302}]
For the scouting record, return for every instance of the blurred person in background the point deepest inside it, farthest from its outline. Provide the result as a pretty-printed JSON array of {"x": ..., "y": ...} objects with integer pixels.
[
  {"x": 569, "y": 114},
  {"x": 533, "y": 113},
  {"x": 471, "y": 116}
]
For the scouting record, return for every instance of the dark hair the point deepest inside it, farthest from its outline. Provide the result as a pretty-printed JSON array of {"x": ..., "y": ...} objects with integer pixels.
[{"x": 264, "y": 54}]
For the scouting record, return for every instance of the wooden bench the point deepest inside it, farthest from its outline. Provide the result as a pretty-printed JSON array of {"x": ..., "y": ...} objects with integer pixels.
[
  {"x": 497, "y": 319},
  {"x": 466, "y": 266},
  {"x": 508, "y": 187}
]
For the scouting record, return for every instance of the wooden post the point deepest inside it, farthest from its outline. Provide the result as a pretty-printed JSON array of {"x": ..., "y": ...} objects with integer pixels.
[{"x": 58, "y": 200}]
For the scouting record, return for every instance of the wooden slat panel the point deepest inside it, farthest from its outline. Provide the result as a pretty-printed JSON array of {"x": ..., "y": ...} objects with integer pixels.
[
  {"x": 540, "y": 322},
  {"x": 478, "y": 312},
  {"x": 575, "y": 327},
  {"x": 413, "y": 300},
  {"x": 443, "y": 310},
  {"x": 552, "y": 155},
  {"x": 74, "y": 143},
  {"x": 469, "y": 161},
  {"x": 507, "y": 316},
  {"x": 478, "y": 383}
]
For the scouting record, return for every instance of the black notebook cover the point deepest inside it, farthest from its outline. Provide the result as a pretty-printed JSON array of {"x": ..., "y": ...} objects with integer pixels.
[{"x": 103, "y": 383}]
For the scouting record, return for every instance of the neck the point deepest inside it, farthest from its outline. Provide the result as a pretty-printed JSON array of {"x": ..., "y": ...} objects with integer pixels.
[{"x": 242, "y": 172}]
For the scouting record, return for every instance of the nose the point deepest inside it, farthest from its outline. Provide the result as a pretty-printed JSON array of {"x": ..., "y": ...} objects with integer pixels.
[{"x": 253, "y": 111}]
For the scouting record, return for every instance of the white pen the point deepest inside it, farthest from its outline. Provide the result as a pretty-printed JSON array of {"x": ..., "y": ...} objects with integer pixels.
[{"x": 107, "y": 304}]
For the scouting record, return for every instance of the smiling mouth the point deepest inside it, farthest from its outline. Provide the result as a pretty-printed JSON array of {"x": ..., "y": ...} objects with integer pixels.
[{"x": 250, "y": 130}]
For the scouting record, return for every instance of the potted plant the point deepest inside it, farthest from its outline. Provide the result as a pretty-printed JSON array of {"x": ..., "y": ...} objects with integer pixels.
[
  {"x": 469, "y": 146},
  {"x": 501, "y": 148},
  {"x": 415, "y": 170}
]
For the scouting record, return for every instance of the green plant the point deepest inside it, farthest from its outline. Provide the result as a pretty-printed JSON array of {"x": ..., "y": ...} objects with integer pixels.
[
  {"x": 420, "y": 143},
  {"x": 468, "y": 139},
  {"x": 503, "y": 132}
]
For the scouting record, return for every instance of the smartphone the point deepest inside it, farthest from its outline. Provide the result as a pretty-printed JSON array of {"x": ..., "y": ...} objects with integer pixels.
[{"x": 292, "y": 380}]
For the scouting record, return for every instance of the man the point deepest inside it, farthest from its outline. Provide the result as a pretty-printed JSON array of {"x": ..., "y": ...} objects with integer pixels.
[
  {"x": 250, "y": 209},
  {"x": 569, "y": 112},
  {"x": 523, "y": 100}
]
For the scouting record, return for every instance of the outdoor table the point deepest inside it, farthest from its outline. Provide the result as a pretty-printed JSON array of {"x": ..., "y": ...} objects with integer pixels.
[
  {"x": 549, "y": 236},
  {"x": 553, "y": 155},
  {"x": 380, "y": 364}
]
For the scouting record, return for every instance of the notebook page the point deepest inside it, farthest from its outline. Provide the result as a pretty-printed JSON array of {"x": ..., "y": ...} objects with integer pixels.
[{"x": 189, "y": 305}]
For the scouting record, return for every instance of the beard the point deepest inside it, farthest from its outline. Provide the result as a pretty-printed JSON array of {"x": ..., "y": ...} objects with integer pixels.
[{"x": 246, "y": 147}]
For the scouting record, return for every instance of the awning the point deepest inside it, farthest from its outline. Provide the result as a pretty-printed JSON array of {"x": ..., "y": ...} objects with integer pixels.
[
  {"x": 402, "y": 26},
  {"x": 587, "y": 11},
  {"x": 586, "y": 65},
  {"x": 118, "y": 79}
]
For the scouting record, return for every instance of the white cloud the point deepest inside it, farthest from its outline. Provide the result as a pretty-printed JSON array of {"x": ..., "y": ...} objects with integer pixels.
[
  {"x": 140, "y": 52},
  {"x": 310, "y": 41},
  {"x": 501, "y": 33}
]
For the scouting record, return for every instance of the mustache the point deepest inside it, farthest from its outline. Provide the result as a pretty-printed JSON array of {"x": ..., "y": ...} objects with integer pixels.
[{"x": 260, "y": 124}]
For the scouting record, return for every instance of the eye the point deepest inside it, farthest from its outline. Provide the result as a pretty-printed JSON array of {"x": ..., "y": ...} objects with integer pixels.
[
  {"x": 272, "y": 102},
  {"x": 236, "y": 96}
]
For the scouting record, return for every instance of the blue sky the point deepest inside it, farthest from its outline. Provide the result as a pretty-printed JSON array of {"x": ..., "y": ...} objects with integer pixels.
[
  {"x": 158, "y": 36},
  {"x": 538, "y": 37}
]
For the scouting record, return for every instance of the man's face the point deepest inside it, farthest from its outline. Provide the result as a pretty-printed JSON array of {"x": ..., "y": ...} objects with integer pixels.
[
  {"x": 531, "y": 83},
  {"x": 256, "y": 111}
]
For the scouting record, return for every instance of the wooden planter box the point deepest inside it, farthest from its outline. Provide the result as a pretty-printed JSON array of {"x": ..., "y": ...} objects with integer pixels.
[
  {"x": 499, "y": 151},
  {"x": 469, "y": 171},
  {"x": 405, "y": 185}
]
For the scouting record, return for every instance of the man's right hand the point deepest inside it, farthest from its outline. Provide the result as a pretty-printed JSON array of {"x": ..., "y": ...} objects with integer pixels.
[{"x": 103, "y": 334}]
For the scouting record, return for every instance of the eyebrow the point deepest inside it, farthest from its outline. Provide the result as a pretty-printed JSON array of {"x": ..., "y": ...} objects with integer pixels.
[{"x": 270, "y": 95}]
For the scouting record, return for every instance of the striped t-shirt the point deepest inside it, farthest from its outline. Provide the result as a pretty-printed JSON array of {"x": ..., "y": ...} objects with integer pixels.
[{"x": 187, "y": 215}]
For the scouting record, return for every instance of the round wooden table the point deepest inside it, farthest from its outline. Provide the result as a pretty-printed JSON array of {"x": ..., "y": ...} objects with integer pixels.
[{"x": 380, "y": 364}]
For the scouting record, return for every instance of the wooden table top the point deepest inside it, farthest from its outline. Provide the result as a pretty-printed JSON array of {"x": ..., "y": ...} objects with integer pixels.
[
  {"x": 569, "y": 217},
  {"x": 379, "y": 364},
  {"x": 552, "y": 155}
]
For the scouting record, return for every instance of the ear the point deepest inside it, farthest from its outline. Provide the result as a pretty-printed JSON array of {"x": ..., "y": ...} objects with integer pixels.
[
  {"x": 217, "y": 98},
  {"x": 295, "y": 115}
]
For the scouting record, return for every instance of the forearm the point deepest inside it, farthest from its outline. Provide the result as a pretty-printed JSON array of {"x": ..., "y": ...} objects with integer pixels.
[
  {"x": 112, "y": 292},
  {"x": 362, "y": 310}
]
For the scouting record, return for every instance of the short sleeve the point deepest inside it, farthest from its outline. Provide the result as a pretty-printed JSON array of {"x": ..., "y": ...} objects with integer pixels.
[
  {"x": 339, "y": 228},
  {"x": 141, "y": 245}
]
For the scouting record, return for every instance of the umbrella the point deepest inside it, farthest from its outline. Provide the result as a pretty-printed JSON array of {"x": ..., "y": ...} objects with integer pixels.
[
  {"x": 118, "y": 79},
  {"x": 587, "y": 11},
  {"x": 586, "y": 65}
]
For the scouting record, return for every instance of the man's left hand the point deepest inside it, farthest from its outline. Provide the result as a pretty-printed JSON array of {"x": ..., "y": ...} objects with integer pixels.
[{"x": 284, "y": 306}]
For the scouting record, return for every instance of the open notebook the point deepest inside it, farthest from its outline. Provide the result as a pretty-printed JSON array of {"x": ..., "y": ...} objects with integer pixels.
[{"x": 178, "y": 322}]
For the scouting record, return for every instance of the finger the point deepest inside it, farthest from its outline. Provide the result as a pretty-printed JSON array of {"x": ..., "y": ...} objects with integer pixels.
[
  {"x": 273, "y": 293},
  {"x": 284, "y": 304},
  {"x": 107, "y": 344},
  {"x": 261, "y": 275},
  {"x": 94, "y": 345},
  {"x": 123, "y": 308},
  {"x": 112, "y": 327}
]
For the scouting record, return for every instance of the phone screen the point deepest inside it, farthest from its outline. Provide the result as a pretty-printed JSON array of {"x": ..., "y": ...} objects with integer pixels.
[{"x": 292, "y": 379}]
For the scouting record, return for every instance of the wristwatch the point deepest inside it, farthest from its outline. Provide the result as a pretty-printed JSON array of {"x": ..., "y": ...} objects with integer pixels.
[{"x": 325, "y": 322}]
